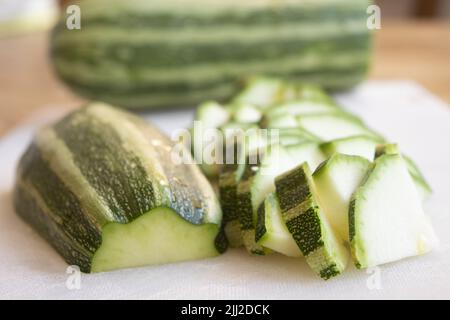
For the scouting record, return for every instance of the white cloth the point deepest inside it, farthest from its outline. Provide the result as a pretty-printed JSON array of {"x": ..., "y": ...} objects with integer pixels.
[{"x": 403, "y": 111}]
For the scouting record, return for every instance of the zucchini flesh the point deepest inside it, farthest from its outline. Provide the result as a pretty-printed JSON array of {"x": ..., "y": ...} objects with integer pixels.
[
  {"x": 336, "y": 180},
  {"x": 212, "y": 114},
  {"x": 323, "y": 249},
  {"x": 254, "y": 190},
  {"x": 301, "y": 107},
  {"x": 246, "y": 113},
  {"x": 334, "y": 126},
  {"x": 363, "y": 146},
  {"x": 419, "y": 180},
  {"x": 386, "y": 219},
  {"x": 156, "y": 237},
  {"x": 271, "y": 231}
]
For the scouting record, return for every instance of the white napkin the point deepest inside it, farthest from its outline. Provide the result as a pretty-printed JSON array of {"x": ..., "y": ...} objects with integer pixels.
[{"x": 403, "y": 111}]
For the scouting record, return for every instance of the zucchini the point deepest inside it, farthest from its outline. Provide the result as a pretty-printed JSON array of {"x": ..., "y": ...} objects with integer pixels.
[
  {"x": 229, "y": 178},
  {"x": 363, "y": 146},
  {"x": 246, "y": 113},
  {"x": 334, "y": 126},
  {"x": 421, "y": 183},
  {"x": 323, "y": 249},
  {"x": 101, "y": 188},
  {"x": 336, "y": 180},
  {"x": 386, "y": 219},
  {"x": 259, "y": 181},
  {"x": 212, "y": 114},
  {"x": 152, "y": 53},
  {"x": 300, "y": 107}
]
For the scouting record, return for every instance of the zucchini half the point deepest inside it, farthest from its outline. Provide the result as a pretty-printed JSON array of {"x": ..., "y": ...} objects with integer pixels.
[{"x": 101, "y": 187}]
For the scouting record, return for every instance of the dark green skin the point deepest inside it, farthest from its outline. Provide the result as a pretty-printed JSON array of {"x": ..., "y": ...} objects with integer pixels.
[
  {"x": 260, "y": 229},
  {"x": 292, "y": 189},
  {"x": 230, "y": 175},
  {"x": 244, "y": 202},
  {"x": 117, "y": 176},
  {"x": 72, "y": 235},
  {"x": 30, "y": 211}
]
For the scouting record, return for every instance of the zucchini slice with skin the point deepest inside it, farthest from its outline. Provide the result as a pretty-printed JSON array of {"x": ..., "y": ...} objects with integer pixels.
[
  {"x": 101, "y": 187},
  {"x": 323, "y": 249},
  {"x": 419, "y": 180},
  {"x": 386, "y": 219},
  {"x": 336, "y": 180}
]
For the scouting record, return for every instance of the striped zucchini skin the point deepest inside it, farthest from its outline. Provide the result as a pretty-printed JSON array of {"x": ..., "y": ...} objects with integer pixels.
[
  {"x": 244, "y": 202},
  {"x": 149, "y": 53},
  {"x": 229, "y": 178},
  {"x": 100, "y": 165},
  {"x": 302, "y": 215}
]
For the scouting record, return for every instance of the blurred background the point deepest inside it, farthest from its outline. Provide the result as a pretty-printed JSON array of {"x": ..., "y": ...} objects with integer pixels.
[{"x": 413, "y": 43}]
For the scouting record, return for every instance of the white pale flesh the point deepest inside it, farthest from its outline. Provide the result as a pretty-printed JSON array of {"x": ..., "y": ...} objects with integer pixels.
[
  {"x": 389, "y": 220},
  {"x": 306, "y": 152},
  {"x": 283, "y": 121},
  {"x": 355, "y": 146},
  {"x": 330, "y": 127},
  {"x": 212, "y": 114},
  {"x": 157, "y": 237},
  {"x": 300, "y": 108},
  {"x": 247, "y": 113},
  {"x": 261, "y": 92},
  {"x": 336, "y": 182},
  {"x": 275, "y": 162},
  {"x": 277, "y": 236},
  {"x": 279, "y": 160}
]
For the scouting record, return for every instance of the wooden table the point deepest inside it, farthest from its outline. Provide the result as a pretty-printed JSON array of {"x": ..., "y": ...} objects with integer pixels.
[{"x": 416, "y": 50}]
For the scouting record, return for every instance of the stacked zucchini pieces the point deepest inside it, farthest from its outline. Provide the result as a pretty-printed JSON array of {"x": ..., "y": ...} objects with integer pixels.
[{"x": 326, "y": 185}]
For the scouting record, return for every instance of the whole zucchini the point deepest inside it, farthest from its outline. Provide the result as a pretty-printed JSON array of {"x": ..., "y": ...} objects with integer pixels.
[
  {"x": 153, "y": 53},
  {"x": 100, "y": 186}
]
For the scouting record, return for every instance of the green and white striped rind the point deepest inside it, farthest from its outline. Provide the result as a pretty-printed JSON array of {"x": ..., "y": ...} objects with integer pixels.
[
  {"x": 143, "y": 54},
  {"x": 324, "y": 251},
  {"x": 100, "y": 165}
]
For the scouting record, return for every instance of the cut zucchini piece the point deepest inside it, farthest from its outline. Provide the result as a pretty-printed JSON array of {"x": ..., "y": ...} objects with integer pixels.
[
  {"x": 212, "y": 114},
  {"x": 261, "y": 92},
  {"x": 229, "y": 178},
  {"x": 386, "y": 219},
  {"x": 336, "y": 180},
  {"x": 281, "y": 121},
  {"x": 306, "y": 152},
  {"x": 421, "y": 183},
  {"x": 334, "y": 126},
  {"x": 363, "y": 146},
  {"x": 256, "y": 184},
  {"x": 271, "y": 231},
  {"x": 87, "y": 181},
  {"x": 308, "y": 224},
  {"x": 313, "y": 92},
  {"x": 302, "y": 107},
  {"x": 277, "y": 160},
  {"x": 246, "y": 113},
  {"x": 291, "y": 136}
]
